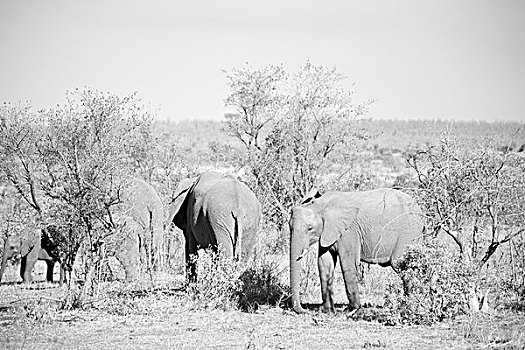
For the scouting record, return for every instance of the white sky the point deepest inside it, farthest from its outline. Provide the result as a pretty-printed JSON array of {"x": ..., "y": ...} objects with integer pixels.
[{"x": 420, "y": 59}]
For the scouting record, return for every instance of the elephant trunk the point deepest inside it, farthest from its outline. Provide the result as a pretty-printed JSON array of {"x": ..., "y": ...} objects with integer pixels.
[
  {"x": 4, "y": 262},
  {"x": 2, "y": 268},
  {"x": 298, "y": 245}
]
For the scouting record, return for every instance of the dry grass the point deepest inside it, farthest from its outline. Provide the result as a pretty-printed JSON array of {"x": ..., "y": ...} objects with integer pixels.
[
  {"x": 137, "y": 316},
  {"x": 164, "y": 321}
]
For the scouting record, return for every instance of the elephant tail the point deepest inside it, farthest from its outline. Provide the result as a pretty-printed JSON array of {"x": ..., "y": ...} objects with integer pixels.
[{"x": 237, "y": 237}]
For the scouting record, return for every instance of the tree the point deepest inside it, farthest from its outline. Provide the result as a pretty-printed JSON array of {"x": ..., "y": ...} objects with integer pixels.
[
  {"x": 290, "y": 124},
  {"x": 71, "y": 164},
  {"x": 474, "y": 194}
]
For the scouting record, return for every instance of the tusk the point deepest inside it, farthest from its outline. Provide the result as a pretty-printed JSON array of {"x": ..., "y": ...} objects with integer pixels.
[{"x": 302, "y": 255}]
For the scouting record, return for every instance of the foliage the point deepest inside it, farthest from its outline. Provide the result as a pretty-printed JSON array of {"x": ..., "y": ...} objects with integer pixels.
[
  {"x": 259, "y": 286},
  {"x": 70, "y": 164},
  {"x": 164, "y": 160},
  {"x": 217, "y": 282},
  {"x": 289, "y": 125},
  {"x": 226, "y": 284},
  {"x": 476, "y": 195},
  {"x": 512, "y": 275},
  {"x": 436, "y": 285}
]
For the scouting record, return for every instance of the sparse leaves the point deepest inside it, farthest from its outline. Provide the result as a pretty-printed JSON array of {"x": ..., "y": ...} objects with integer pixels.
[
  {"x": 290, "y": 123},
  {"x": 437, "y": 285},
  {"x": 475, "y": 194},
  {"x": 71, "y": 163}
]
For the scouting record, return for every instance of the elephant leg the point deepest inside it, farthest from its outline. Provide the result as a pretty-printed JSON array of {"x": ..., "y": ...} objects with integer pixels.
[
  {"x": 62, "y": 275},
  {"x": 23, "y": 264},
  {"x": 129, "y": 256},
  {"x": 191, "y": 255},
  {"x": 29, "y": 261},
  {"x": 326, "y": 261},
  {"x": 404, "y": 280},
  {"x": 50, "y": 267},
  {"x": 225, "y": 237},
  {"x": 349, "y": 263},
  {"x": 26, "y": 268}
]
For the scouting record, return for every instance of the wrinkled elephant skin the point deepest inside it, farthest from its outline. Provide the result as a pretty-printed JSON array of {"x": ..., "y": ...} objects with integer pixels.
[
  {"x": 370, "y": 226},
  {"x": 214, "y": 210},
  {"x": 142, "y": 220}
]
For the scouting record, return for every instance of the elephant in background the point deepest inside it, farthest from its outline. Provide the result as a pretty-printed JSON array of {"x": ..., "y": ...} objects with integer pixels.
[
  {"x": 38, "y": 245},
  {"x": 370, "y": 226},
  {"x": 215, "y": 211},
  {"x": 141, "y": 221},
  {"x": 24, "y": 241}
]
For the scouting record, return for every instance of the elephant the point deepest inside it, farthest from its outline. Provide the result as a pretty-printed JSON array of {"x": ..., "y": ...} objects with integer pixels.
[
  {"x": 38, "y": 245},
  {"x": 215, "y": 211},
  {"x": 370, "y": 226},
  {"x": 141, "y": 220}
]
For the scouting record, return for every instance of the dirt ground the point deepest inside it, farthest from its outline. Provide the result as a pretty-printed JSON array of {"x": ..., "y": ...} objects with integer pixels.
[
  {"x": 30, "y": 319},
  {"x": 273, "y": 329}
]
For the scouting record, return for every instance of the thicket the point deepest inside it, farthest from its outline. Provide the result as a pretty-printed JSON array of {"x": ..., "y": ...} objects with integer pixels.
[
  {"x": 473, "y": 196},
  {"x": 69, "y": 166}
]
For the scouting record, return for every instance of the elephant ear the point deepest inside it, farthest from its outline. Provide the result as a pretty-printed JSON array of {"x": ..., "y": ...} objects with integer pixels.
[
  {"x": 337, "y": 220},
  {"x": 310, "y": 196},
  {"x": 179, "y": 198}
]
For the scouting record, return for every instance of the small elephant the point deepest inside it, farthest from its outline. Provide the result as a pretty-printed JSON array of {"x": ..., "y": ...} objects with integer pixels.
[
  {"x": 370, "y": 226},
  {"x": 39, "y": 245},
  {"x": 142, "y": 220},
  {"x": 215, "y": 211}
]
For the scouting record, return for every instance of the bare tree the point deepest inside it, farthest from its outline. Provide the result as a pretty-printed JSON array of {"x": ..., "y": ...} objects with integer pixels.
[
  {"x": 289, "y": 125},
  {"x": 475, "y": 194}
]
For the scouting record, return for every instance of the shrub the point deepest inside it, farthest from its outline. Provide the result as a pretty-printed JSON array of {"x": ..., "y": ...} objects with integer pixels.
[
  {"x": 217, "y": 282},
  {"x": 436, "y": 285},
  {"x": 226, "y": 284},
  {"x": 259, "y": 286},
  {"x": 512, "y": 275}
]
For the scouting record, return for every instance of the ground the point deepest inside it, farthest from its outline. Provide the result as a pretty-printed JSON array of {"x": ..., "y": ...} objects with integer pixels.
[
  {"x": 30, "y": 318},
  {"x": 271, "y": 329}
]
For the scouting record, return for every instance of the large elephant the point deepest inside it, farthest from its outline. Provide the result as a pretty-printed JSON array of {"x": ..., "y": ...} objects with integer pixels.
[
  {"x": 370, "y": 226},
  {"x": 215, "y": 211},
  {"x": 141, "y": 219},
  {"x": 38, "y": 245}
]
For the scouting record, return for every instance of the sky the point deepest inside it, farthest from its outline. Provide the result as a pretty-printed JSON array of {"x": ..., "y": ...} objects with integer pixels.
[{"x": 425, "y": 59}]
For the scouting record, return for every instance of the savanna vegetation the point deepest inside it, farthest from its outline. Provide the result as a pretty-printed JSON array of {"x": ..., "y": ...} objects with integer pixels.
[{"x": 289, "y": 131}]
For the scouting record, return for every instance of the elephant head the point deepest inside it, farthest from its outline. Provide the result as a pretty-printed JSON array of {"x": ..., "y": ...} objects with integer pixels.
[
  {"x": 313, "y": 221},
  {"x": 12, "y": 250},
  {"x": 370, "y": 226}
]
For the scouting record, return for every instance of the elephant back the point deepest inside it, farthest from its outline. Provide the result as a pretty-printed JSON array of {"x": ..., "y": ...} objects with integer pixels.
[
  {"x": 391, "y": 220},
  {"x": 229, "y": 193},
  {"x": 142, "y": 203},
  {"x": 225, "y": 199}
]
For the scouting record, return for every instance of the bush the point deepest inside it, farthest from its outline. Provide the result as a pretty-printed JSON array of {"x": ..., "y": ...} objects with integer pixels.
[
  {"x": 217, "y": 282},
  {"x": 436, "y": 285},
  {"x": 259, "y": 286},
  {"x": 225, "y": 284},
  {"x": 512, "y": 275}
]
